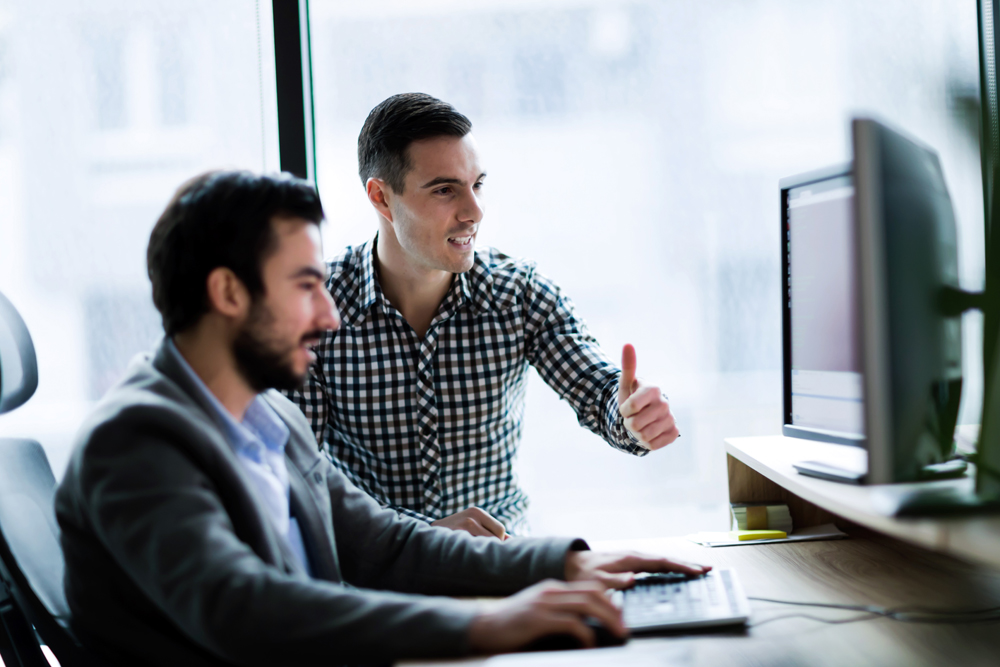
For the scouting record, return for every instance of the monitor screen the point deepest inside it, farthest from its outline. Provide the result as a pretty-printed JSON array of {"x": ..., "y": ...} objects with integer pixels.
[{"x": 825, "y": 337}]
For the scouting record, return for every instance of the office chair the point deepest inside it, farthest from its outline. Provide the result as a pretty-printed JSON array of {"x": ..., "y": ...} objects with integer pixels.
[{"x": 33, "y": 606}]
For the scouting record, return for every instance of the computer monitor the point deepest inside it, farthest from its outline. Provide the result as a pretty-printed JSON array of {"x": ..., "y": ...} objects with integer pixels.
[
  {"x": 872, "y": 359},
  {"x": 952, "y": 302},
  {"x": 909, "y": 304},
  {"x": 988, "y": 448},
  {"x": 911, "y": 343}
]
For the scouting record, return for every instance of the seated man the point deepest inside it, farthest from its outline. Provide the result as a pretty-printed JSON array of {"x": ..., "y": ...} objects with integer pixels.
[
  {"x": 419, "y": 396},
  {"x": 201, "y": 524}
]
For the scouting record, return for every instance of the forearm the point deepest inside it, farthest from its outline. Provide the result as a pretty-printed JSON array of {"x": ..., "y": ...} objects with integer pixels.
[
  {"x": 571, "y": 361},
  {"x": 380, "y": 549},
  {"x": 412, "y": 514},
  {"x": 456, "y": 563},
  {"x": 592, "y": 391},
  {"x": 334, "y": 624}
]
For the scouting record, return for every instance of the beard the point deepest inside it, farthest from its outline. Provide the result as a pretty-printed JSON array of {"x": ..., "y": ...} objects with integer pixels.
[{"x": 264, "y": 361}]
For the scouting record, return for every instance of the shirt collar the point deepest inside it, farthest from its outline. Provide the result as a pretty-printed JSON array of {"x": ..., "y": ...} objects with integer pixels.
[
  {"x": 474, "y": 287},
  {"x": 368, "y": 290},
  {"x": 477, "y": 284},
  {"x": 261, "y": 427}
]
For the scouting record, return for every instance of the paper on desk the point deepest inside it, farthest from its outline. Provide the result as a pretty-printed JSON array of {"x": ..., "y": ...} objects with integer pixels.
[
  {"x": 825, "y": 532},
  {"x": 637, "y": 653}
]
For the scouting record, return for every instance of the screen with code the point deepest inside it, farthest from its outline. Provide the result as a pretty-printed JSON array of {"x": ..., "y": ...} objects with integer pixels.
[{"x": 826, "y": 367}]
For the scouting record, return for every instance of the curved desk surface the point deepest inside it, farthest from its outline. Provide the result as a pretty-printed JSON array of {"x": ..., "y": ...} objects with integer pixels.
[
  {"x": 760, "y": 469},
  {"x": 872, "y": 567}
]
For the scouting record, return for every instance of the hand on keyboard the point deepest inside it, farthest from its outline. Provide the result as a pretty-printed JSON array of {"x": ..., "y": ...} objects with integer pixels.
[
  {"x": 618, "y": 570},
  {"x": 648, "y": 578},
  {"x": 547, "y": 609}
]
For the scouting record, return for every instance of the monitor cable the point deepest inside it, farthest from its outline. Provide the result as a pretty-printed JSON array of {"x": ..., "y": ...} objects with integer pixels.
[{"x": 902, "y": 614}]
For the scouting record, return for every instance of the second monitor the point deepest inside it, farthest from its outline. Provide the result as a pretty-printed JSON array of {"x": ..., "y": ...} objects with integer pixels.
[{"x": 872, "y": 358}]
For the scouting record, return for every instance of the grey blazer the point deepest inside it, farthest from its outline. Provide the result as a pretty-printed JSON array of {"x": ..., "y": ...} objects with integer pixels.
[{"x": 171, "y": 559}]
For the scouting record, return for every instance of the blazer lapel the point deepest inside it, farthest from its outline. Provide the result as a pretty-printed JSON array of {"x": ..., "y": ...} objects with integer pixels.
[
  {"x": 309, "y": 495},
  {"x": 318, "y": 540},
  {"x": 278, "y": 551}
]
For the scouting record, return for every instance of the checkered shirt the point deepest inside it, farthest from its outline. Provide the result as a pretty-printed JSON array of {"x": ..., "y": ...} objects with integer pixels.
[{"x": 431, "y": 427}]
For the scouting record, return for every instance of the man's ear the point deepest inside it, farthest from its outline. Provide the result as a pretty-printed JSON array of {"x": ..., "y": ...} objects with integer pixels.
[
  {"x": 379, "y": 194},
  {"x": 227, "y": 294}
]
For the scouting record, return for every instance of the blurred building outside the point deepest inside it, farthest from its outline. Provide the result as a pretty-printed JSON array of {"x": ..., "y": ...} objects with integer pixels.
[{"x": 633, "y": 148}]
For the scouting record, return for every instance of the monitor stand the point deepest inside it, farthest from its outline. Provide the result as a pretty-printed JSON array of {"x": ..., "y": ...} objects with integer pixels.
[
  {"x": 935, "y": 500},
  {"x": 830, "y": 472},
  {"x": 946, "y": 470}
]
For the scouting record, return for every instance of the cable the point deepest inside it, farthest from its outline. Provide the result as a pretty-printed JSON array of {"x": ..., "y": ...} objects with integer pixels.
[
  {"x": 828, "y": 621},
  {"x": 903, "y": 615}
]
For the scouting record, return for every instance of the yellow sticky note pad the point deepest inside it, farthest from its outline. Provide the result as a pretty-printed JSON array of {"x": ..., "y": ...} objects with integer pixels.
[{"x": 744, "y": 535}]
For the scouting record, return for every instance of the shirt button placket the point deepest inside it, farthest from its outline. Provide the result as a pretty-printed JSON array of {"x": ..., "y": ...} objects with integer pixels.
[{"x": 430, "y": 451}]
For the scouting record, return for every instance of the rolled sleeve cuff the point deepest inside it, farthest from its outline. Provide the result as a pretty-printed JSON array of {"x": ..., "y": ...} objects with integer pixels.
[{"x": 621, "y": 437}]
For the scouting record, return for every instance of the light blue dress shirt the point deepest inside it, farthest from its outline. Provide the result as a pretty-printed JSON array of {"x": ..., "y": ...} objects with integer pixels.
[{"x": 259, "y": 444}]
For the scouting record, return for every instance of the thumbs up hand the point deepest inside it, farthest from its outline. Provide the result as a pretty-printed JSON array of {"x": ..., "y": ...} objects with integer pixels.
[{"x": 643, "y": 407}]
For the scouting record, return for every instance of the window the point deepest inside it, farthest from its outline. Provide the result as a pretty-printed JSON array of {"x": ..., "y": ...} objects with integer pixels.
[
  {"x": 105, "y": 109},
  {"x": 634, "y": 151}
]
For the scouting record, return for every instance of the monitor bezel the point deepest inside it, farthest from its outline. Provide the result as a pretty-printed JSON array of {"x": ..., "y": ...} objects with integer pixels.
[{"x": 988, "y": 448}]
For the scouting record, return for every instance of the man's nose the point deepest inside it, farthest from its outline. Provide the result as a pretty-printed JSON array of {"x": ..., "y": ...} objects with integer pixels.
[
  {"x": 472, "y": 207},
  {"x": 329, "y": 316}
]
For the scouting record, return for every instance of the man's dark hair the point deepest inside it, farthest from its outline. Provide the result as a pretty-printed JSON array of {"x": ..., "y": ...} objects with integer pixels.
[
  {"x": 220, "y": 218},
  {"x": 396, "y": 123}
]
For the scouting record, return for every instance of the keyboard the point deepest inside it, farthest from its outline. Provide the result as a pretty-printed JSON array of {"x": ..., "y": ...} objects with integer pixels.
[{"x": 673, "y": 601}]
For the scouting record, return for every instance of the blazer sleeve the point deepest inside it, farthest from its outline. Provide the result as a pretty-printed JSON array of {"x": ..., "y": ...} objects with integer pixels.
[
  {"x": 162, "y": 520},
  {"x": 378, "y": 548}
]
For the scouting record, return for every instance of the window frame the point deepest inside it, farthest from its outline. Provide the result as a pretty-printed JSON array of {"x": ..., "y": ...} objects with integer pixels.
[{"x": 293, "y": 81}]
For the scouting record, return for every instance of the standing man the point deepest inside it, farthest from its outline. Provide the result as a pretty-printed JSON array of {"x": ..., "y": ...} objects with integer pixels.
[
  {"x": 419, "y": 396},
  {"x": 202, "y": 527}
]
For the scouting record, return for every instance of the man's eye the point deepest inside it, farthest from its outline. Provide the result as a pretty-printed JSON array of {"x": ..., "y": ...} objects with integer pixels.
[
  {"x": 442, "y": 191},
  {"x": 478, "y": 185}
]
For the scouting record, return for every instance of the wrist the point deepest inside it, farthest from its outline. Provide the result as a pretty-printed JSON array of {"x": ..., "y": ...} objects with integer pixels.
[
  {"x": 574, "y": 565},
  {"x": 476, "y": 632},
  {"x": 482, "y": 630}
]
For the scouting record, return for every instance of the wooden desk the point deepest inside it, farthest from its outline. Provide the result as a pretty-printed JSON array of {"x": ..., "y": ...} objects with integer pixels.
[
  {"x": 760, "y": 470},
  {"x": 869, "y": 568}
]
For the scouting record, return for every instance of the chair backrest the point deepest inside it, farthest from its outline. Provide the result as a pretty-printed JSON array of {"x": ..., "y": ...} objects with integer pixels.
[
  {"x": 18, "y": 368},
  {"x": 31, "y": 559},
  {"x": 28, "y": 525}
]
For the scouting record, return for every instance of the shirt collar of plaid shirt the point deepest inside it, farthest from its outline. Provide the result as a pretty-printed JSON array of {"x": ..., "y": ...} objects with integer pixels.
[{"x": 474, "y": 287}]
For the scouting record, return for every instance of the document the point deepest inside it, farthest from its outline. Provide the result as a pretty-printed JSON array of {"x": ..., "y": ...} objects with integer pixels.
[{"x": 827, "y": 531}]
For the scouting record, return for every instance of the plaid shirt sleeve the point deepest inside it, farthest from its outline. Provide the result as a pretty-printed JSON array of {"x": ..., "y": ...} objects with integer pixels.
[{"x": 570, "y": 361}]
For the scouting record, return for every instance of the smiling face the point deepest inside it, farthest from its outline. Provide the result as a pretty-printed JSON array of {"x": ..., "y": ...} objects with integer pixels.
[
  {"x": 436, "y": 217},
  {"x": 273, "y": 346}
]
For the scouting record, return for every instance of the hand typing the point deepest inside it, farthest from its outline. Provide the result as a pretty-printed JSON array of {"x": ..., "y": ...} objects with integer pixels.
[
  {"x": 618, "y": 570},
  {"x": 548, "y": 607}
]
